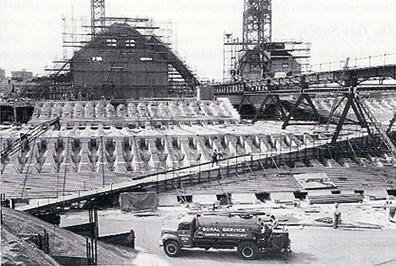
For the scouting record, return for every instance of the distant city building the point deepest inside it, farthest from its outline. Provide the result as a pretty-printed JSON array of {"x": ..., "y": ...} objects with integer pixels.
[
  {"x": 2, "y": 74},
  {"x": 21, "y": 75}
]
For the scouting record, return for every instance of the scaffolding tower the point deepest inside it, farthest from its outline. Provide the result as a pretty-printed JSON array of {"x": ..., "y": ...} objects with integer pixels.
[
  {"x": 257, "y": 55},
  {"x": 97, "y": 16}
]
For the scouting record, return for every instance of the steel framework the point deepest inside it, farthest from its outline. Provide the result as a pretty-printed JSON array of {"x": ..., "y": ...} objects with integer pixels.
[
  {"x": 257, "y": 31},
  {"x": 257, "y": 23},
  {"x": 97, "y": 16},
  {"x": 255, "y": 55},
  {"x": 346, "y": 82}
]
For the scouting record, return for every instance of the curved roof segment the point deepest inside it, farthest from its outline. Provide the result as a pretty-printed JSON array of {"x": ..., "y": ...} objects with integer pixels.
[{"x": 121, "y": 57}]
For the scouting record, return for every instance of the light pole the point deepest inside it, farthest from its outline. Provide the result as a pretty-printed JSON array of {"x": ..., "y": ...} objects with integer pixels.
[{"x": 236, "y": 157}]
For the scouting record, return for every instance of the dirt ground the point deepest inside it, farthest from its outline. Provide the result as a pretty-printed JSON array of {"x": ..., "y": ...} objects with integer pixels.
[
  {"x": 15, "y": 251},
  {"x": 62, "y": 243},
  {"x": 310, "y": 245}
]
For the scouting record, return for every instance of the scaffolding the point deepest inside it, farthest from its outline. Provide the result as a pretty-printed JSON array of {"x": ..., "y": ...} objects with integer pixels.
[
  {"x": 80, "y": 34},
  {"x": 257, "y": 56}
]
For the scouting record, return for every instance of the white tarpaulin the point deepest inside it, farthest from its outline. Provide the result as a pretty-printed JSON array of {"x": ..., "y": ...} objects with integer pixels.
[
  {"x": 314, "y": 180},
  {"x": 282, "y": 197},
  {"x": 204, "y": 198},
  {"x": 244, "y": 198},
  {"x": 378, "y": 194},
  {"x": 320, "y": 192},
  {"x": 168, "y": 200}
]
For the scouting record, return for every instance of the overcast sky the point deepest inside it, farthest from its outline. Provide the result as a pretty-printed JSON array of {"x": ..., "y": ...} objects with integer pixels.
[{"x": 30, "y": 33}]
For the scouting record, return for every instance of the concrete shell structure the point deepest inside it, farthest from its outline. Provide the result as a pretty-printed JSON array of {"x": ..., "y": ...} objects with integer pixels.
[{"x": 122, "y": 62}]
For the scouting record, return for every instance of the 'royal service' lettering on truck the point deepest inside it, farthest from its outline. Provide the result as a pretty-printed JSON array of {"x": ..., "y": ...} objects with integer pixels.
[
  {"x": 234, "y": 230},
  {"x": 211, "y": 234},
  {"x": 210, "y": 229},
  {"x": 223, "y": 232}
]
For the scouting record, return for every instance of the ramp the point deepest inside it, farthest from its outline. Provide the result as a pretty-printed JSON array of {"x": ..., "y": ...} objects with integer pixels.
[{"x": 151, "y": 180}]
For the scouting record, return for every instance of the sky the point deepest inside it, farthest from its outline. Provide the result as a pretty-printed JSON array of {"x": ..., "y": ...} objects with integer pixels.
[{"x": 30, "y": 32}]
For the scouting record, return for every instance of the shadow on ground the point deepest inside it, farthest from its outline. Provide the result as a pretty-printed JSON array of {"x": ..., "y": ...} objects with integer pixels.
[{"x": 232, "y": 257}]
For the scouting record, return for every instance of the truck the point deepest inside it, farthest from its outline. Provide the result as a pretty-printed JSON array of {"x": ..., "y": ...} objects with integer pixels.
[{"x": 250, "y": 236}]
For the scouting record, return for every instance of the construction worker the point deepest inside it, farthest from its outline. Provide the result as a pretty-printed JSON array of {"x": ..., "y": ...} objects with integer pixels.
[
  {"x": 337, "y": 216},
  {"x": 274, "y": 221},
  {"x": 215, "y": 158},
  {"x": 23, "y": 137},
  {"x": 266, "y": 231},
  {"x": 132, "y": 238},
  {"x": 24, "y": 141},
  {"x": 57, "y": 124}
]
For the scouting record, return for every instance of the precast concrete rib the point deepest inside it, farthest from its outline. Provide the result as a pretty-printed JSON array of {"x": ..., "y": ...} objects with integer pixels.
[{"x": 47, "y": 204}]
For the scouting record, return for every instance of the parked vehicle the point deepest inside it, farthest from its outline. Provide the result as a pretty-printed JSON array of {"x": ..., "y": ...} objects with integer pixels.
[{"x": 250, "y": 236}]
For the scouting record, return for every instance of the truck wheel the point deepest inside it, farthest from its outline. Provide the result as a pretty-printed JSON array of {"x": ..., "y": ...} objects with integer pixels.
[
  {"x": 248, "y": 250},
  {"x": 172, "y": 248}
]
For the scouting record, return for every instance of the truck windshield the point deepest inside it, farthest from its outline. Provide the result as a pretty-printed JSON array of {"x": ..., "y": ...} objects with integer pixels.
[{"x": 184, "y": 226}]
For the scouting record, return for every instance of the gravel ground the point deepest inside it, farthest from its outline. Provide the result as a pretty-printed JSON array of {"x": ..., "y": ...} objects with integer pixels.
[
  {"x": 16, "y": 251},
  {"x": 62, "y": 242},
  {"x": 311, "y": 246}
]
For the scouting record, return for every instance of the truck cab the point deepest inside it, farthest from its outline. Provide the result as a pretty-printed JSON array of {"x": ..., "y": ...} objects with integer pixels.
[{"x": 178, "y": 234}]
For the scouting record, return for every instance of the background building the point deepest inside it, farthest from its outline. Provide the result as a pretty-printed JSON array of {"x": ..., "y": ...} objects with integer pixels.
[
  {"x": 21, "y": 75},
  {"x": 2, "y": 74}
]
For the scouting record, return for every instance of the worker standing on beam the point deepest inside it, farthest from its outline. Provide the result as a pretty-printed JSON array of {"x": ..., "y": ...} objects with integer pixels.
[{"x": 215, "y": 158}]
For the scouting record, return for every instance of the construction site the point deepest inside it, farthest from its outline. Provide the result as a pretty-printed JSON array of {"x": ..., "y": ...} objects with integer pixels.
[{"x": 123, "y": 134}]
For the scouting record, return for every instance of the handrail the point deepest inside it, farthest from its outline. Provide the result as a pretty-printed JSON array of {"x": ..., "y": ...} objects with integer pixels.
[{"x": 187, "y": 167}]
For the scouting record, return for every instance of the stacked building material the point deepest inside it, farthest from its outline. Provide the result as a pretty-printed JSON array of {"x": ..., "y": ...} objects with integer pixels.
[{"x": 334, "y": 198}]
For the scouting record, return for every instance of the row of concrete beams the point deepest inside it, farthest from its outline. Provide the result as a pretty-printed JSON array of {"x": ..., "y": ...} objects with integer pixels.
[
  {"x": 177, "y": 177},
  {"x": 174, "y": 175}
]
